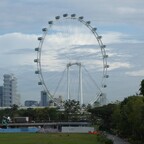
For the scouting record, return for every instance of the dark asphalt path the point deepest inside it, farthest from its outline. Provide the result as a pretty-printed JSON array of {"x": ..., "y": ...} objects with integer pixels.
[{"x": 116, "y": 139}]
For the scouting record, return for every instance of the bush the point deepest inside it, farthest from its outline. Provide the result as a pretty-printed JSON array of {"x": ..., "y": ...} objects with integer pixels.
[
  {"x": 104, "y": 139},
  {"x": 108, "y": 141}
]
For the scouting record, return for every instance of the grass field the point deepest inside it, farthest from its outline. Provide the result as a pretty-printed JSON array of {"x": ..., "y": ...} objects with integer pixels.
[{"x": 49, "y": 138}]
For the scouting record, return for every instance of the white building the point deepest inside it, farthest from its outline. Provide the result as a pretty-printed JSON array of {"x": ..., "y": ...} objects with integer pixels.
[{"x": 10, "y": 96}]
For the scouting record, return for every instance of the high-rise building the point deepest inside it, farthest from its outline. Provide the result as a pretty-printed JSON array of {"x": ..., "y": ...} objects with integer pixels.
[
  {"x": 44, "y": 99},
  {"x": 10, "y": 96},
  {"x": 1, "y": 96}
]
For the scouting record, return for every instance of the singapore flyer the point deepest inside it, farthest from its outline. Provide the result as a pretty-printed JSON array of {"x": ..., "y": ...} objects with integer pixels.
[{"x": 71, "y": 60}]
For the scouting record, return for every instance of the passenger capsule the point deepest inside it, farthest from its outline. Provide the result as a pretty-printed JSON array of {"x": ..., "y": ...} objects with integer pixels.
[
  {"x": 101, "y": 94},
  {"x": 99, "y": 37},
  {"x": 65, "y": 15},
  {"x": 88, "y": 22},
  {"x": 39, "y": 83},
  {"x": 106, "y": 76},
  {"x": 73, "y": 15},
  {"x": 94, "y": 29},
  {"x": 104, "y": 86},
  {"x": 35, "y": 60},
  {"x": 105, "y": 56},
  {"x": 106, "y": 66},
  {"x": 50, "y": 22},
  {"x": 44, "y": 29},
  {"x": 81, "y": 17},
  {"x": 37, "y": 72},
  {"x": 103, "y": 46},
  {"x": 40, "y": 38},
  {"x": 57, "y": 17},
  {"x": 37, "y": 49}
]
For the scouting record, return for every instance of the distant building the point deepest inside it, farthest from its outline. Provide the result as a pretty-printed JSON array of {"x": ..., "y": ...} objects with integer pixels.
[
  {"x": 44, "y": 99},
  {"x": 1, "y": 96},
  {"x": 10, "y": 95},
  {"x": 30, "y": 103}
]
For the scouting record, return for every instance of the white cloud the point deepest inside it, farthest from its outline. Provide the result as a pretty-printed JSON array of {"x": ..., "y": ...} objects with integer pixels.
[
  {"x": 130, "y": 10},
  {"x": 11, "y": 41},
  {"x": 17, "y": 49},
  {"x": 117, "y": 65},
  {"x": 118, "y": 37},
  {"x": 21, "y": 46},
  {"x": 112, "y": 37},
  {"x": 137, "y": 73}
]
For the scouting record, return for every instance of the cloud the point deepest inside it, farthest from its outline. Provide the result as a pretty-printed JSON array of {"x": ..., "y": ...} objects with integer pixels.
[
  {"x": 117, "y": 65},
  {"x": 59, "y": 47},
  {"x": 119, "y": 37},
  {"x": 56, "y": 53},
  {"x": 29, "y": 16},
  {"x": 17, "y": 49},
  {"x": 130, "y": 10},
  {"x": 17, "y": 41},
  {"x": 20, "y": 51},
  {"x": 137, "y": 73}
]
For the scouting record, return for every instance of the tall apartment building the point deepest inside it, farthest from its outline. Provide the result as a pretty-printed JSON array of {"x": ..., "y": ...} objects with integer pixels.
[
  {"x": 44, "y": 99},
  {"x": 1, "y": 96},
  {"x": 10, "y": 95}
]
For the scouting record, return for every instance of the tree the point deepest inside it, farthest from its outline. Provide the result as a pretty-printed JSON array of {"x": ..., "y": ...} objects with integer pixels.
[
  {"x": 72, "y": 109},
  {"x": 101, "y": 116},
  {"x": 128, "y": 118},
  {"x": 14, "y": 110},
  {"x": 31, "y": 113},
  {"x": 142, "y": 88}
]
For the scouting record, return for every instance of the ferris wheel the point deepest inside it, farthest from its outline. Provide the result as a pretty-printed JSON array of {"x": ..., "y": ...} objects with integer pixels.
[{"x": 71, "y": 60}]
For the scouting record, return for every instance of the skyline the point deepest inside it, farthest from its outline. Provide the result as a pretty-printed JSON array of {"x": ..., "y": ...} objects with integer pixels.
[{"x": 119, "y": 22}]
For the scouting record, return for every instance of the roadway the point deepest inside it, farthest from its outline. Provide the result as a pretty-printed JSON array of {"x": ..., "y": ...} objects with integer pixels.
[{"x": 117, "y": 140}]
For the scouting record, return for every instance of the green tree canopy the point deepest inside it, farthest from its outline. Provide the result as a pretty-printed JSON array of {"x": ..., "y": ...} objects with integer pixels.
[
  {"x": 72, "y": 109},
  {"x": 142, "y": 88},
  {"x": 128, "y": 117}
]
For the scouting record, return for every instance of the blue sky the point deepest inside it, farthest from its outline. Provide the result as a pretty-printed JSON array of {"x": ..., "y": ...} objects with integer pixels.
[{"x": 119, "y": 22}]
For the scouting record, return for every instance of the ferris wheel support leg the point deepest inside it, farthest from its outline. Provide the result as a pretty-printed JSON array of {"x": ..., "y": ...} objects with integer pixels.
[
  {"x": 80, "y": 82},
  {"x": 68, "y": 91}
]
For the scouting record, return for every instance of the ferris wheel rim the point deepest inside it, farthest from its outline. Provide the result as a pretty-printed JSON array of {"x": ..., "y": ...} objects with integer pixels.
[{"x": 42, "y": 38}]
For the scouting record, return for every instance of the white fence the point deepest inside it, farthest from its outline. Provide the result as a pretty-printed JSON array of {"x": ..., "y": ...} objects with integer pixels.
[{"x": 77, "y": 129}]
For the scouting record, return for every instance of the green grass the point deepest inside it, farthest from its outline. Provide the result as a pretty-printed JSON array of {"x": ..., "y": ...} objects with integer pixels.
[{"x": 49, "y": 138}]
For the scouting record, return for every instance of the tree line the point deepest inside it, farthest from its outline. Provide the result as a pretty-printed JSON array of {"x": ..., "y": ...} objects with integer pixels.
[
  {"x": 72, "y": 112},
  {"x": 124, "y": 118}
]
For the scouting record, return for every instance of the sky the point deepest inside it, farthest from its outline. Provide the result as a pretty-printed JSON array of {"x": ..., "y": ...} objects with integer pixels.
[{"x": 119, "y": 22}]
